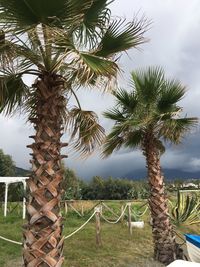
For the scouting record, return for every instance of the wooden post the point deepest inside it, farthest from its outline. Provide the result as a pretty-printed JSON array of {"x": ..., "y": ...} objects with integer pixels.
[
  {"x": 6, "y": 200},
  {"x": 82, "y": 210},
  {"x": 129, "y": 218},
  {"x": 24, "y": 202},
  {"x": 66, "y": 207},
  {"x": 122, "y": 209},
  {"x": 98, "y": 226}
]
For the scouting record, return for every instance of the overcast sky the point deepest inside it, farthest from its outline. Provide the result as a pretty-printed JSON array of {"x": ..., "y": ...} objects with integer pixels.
[{"x": 175, "y": 45}]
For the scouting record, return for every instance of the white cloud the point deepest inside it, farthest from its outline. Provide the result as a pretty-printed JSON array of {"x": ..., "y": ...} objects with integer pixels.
[{"x": 195, "y": 164}]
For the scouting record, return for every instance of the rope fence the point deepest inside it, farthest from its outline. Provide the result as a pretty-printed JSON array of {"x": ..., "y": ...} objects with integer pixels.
[
  {"x": 117, "y": 219},
  {"x": 77, "y": 230},
  {"x": 10, "y": 240},
  {"x": 98, "y": 214}
]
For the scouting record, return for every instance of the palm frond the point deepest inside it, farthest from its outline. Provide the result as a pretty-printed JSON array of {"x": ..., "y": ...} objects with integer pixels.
[
  {"x": 172, "y": 92},
  {"x": 29, "y": 55},
  {"x": 122, "y": 135},
  {"x": 147, "y": 83},
  {"x": 92, "y": 64},
  {"x": 133, "y": 139},
  {"x": 26, "y": 14},
  {"x": 7, "y": 52},
  {"x": 151, "y": 107},
  {"x": 173, "y": 129},
  {"x": 113, "y": 142},
  {"x": 121, "y": 36},
  {"x": 114, "y": 114},
  {"x": 94, "y": 22},
  {"x": 160, "y": 146},
  {"x": 95, "y": 71},
  {"x": 125, "y": 99},
  {"x": 13, "y": 91},
  {"x": 86, "y": 132}
]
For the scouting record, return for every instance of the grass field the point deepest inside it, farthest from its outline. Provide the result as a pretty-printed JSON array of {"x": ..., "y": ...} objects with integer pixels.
[{"x": 119, "y": 249}]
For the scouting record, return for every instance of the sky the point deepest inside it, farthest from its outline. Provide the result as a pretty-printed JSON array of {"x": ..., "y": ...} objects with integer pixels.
[{"x": 173, "y": 44}]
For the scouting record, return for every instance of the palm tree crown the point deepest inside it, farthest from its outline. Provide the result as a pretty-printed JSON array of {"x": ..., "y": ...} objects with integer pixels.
[
  {"x": 78, "y": 40},
  {"x": 151, "y": 106}
]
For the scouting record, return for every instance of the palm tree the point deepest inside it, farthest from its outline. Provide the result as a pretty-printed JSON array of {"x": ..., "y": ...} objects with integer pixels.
[
  {"x": 65, "y": 45},
  {"x": 145, "y": 117}
]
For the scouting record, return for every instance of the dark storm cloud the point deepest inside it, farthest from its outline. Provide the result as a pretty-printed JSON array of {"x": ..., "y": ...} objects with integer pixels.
[{"x": 174, "y": 45}]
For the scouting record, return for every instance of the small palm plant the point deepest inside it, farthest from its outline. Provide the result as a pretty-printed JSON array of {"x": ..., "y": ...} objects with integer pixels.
[
  {"x": 186, "y": 211},
  {"x": 144, "y": 118}
]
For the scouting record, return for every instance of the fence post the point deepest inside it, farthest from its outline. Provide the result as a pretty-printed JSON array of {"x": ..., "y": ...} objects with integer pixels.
[
  {"x": 82, "y": 210},
  {"x": 66, "y": 207},
  {"x": 6, "y": 200},
  {"x": 98, "y": 225},
  {"x": 24, "y": 202},
  {"x": 129, "y": 218},
  {"x": 122, "y": 209}
]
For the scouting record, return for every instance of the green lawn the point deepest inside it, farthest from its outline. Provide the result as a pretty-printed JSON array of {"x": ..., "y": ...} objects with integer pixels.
[{"x": 119, "y": 249}]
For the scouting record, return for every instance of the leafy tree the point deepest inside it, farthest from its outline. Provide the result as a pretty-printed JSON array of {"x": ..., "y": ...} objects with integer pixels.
[
  {"x": 145, "y": 117},
  {"x": 110, "y": 188},
  {"x": 6, "y": 169},
  {"x": 71, "y": 185},
  {"x": 7, "y": 166},
  {"x": 65, "y": 45}
]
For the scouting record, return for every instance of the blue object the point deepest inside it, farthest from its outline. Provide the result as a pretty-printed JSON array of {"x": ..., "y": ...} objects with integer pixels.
[{"x": 194, "y": 239}]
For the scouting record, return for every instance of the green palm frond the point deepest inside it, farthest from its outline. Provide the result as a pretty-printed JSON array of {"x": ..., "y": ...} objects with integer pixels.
[
  {"x": 86, "y": 132},
  {"x": 93, "y": 23},
  {"x": 160, "y": 146},
  {"x": 174, "y": 129},
  {"x": 133, "y": 139},
  {"x": 114, "y": 114},
  {"x": 150, "y": 107},
  {"x": 13, "y": 91},
  {"x": 25, "y": 14},
  {"x": 95, "y": 71},
  {"x": 127, "y": 100},
  {"x": 147, "y": 83},
  {"x": 121, "y": 135},
  {"x": 172, "y": 93},
  {"x": 96, "y": 65},
  {"x": 7, "y": 52},
  {"x": 29, "y": 55},
  {"x": 113, "y": 142},
  {"x": 121, "y": 36}
]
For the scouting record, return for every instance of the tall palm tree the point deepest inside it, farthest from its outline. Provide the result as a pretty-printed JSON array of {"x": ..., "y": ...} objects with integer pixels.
[
  {"x": 65, "y": 45},
  {"x": 146, "y": 117}
]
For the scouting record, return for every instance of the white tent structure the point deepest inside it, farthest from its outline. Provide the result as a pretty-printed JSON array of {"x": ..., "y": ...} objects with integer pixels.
[{"x": 11, "y": 180}]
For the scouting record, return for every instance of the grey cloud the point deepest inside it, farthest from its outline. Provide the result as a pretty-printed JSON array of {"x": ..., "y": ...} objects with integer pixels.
[{"x": 174, "y": 44}]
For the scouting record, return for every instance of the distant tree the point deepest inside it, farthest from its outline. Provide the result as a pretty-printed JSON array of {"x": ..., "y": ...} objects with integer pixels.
[
  {"x": 110, "y": 188},
  {"x": 7, "y": 166},
  {"x": 71, "y": 184}
]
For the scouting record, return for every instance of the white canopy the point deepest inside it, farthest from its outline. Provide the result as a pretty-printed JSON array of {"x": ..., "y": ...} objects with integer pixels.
[{"x": 11, "y": 180}]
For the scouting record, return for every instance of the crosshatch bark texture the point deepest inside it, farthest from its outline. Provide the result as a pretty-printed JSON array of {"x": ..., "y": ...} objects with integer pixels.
[{"x": 43, "y": 241}]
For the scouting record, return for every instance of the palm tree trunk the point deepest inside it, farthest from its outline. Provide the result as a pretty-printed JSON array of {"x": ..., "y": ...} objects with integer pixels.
[
  {"x": 43, "y": 242},
  {"x": 166, "y": 249}
]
